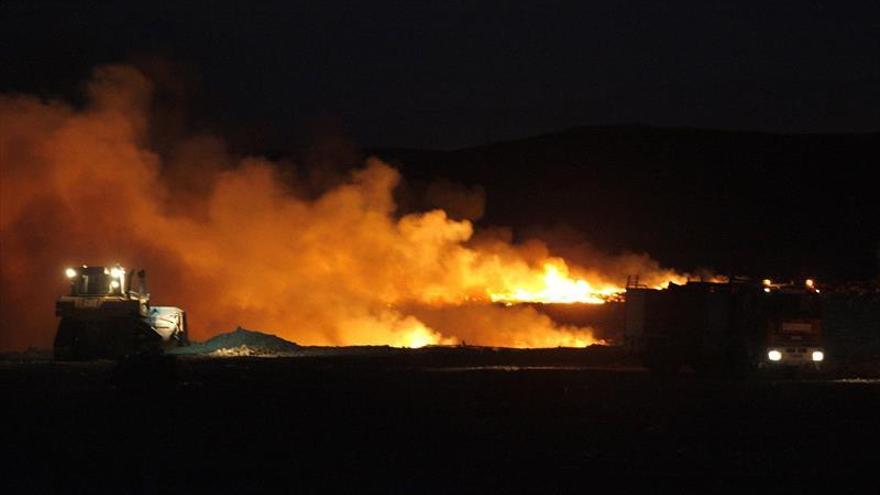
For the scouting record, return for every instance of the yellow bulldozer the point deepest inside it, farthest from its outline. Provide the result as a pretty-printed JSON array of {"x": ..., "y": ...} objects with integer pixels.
[{"x": 103, "y": 316}]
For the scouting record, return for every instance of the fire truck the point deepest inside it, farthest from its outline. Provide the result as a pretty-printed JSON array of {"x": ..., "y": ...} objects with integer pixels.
[{"x": 731, "y": 328}]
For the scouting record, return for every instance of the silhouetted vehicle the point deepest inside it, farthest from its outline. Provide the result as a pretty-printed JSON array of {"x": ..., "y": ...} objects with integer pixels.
[
  {"x": 730, "y": 328},
  {"x": 102, "y": 317}
]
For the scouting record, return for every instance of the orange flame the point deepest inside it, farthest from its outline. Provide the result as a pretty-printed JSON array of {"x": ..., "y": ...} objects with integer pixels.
[{"x": 555, "y": 285}]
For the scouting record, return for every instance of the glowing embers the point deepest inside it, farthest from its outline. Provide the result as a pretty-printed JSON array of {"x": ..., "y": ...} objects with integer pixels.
[{"x": 555, "y": 285}]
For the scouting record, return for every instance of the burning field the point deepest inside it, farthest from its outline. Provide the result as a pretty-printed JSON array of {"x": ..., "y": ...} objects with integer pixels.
[{"x": 244, "y": 240}]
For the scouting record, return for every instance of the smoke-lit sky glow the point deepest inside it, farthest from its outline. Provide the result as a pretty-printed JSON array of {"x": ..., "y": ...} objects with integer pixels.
[{"x": 244, "y": 247}]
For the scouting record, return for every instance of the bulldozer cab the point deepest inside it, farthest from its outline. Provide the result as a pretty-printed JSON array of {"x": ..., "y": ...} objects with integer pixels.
[{"x": 97, "y": 281}]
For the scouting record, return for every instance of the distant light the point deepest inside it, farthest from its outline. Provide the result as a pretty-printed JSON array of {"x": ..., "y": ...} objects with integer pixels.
[
  {"x": 818, "y": 356},
  {"x": 70, "y": 272},
  {"x": 775, "y": 355},
  {"x": 767, "y": 289},
  {"x": 810, "y": 283},
  {"x": 767, "y": 281}
]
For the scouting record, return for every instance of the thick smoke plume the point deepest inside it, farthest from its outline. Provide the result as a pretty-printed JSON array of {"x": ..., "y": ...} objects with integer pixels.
[{"x": 229, "y": 241}]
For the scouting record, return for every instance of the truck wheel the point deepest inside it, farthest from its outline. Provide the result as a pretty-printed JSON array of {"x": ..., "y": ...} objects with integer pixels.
[
  {"x": 738, "y": 362},
  {"x": 663, "y": 356}
]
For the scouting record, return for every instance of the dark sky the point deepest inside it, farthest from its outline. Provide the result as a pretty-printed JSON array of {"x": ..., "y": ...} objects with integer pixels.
[{"x": 451, "y": 74}]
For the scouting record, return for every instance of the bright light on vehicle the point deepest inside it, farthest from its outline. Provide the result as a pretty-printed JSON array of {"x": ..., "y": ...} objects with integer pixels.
[
  {"x": 810, "y": 283},
  {"x": 767, "y": 290},
  {"x": 818, "y": 355},
  {"x": 116, "y": 272},
  {"x": 774, "y": 355},
  {"x": 114, "y": 284},
  {"x": 767, "y": 281},
  {"x": 70, "y": 272}
]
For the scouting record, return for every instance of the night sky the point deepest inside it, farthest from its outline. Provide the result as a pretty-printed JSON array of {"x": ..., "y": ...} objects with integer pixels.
[{"x": 454, "y": 74}]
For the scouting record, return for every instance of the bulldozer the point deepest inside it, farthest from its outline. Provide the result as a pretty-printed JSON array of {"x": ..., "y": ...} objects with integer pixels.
[{"x": 103, "y": 317}]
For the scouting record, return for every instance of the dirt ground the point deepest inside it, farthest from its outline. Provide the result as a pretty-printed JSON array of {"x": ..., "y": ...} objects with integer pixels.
[{"x": 416, "y": 422}]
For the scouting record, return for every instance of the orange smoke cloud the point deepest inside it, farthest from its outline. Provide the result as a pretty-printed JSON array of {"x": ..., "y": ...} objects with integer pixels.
[{"x": 232, "y": 243}]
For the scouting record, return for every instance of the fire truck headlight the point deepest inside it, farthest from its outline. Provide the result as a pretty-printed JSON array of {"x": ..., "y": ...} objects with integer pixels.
[
  {"x": 818, "y": 355},
  {"x": 774, "y": 355},
  {"x": 70, "y": 272}
]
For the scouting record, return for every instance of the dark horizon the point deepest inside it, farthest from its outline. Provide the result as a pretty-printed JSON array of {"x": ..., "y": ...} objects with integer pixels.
[{"x": 613, "y": 126}]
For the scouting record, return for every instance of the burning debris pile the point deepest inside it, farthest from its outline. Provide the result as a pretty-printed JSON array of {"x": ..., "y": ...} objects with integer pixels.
[{"x": 235, "y": 239}]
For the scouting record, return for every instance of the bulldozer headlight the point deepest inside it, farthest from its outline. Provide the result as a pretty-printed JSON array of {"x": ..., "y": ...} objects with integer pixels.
[
  {"x": 774, "y": 355},
  {"x": 70, "y": 272},
  {"x": 818, "y": 355}
]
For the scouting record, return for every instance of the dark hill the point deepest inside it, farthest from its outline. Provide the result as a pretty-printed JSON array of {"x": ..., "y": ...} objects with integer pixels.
[{"x": 743, "y": 201}]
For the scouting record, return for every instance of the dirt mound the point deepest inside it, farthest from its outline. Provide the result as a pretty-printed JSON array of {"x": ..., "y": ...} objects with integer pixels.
[{"x": 241, "y": 342}]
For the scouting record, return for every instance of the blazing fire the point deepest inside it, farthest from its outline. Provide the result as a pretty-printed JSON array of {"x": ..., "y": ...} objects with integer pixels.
[
  {"x": 236, "y": 242},
  {"x": 555, "y": 285}
]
